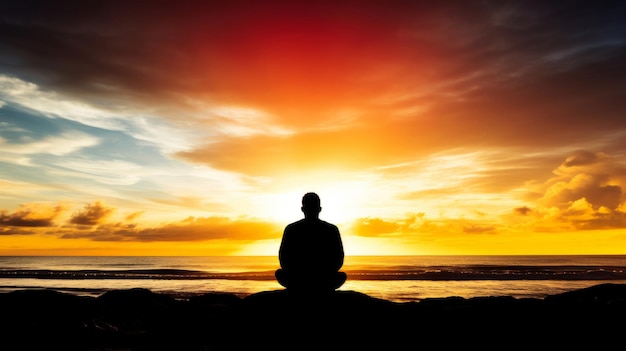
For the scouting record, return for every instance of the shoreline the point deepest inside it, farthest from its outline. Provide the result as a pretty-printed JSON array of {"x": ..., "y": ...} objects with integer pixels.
[
  {"x": 397, "y": 291},
  {"x": 139, "y": 319}
]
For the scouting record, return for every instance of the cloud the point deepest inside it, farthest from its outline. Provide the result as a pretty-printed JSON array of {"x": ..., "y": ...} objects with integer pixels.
[
  {"x": 24, "y": 189},
  {"x": 307, "y": 63},
  {"x": 31, "y": 215},
  {"x": 263, "y": 155},
  {"x": 142, "y": 122},
  {"x": 96, "y": 223},
  {"x": 92, "y": 214},
  {"x": 374, "y": 227},
  {"x": 211, "y": 228},
  {"x": 478, "y": 229},
  {"x": 55, "y": 105},
  {"x": 523, "y": 211},
  {"x": 314, "y": 85},
  {"x": 191, "y": 229},
  {"x": 415, "y": 225},
  {"x": 21, "y": 153},
  {"x": 193, "y": 202},
  {"x": 593, "y": 176},
  {"x": 586, "y": 192},
  {"x": 112, "y": 172},
  {"x": 582, "y": 215},
  {"x": 60, "y": 145},
  {"x": 133, "y": 216}
]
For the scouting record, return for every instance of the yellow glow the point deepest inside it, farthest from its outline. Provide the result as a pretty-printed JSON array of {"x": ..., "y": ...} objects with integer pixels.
[
  {"x": 339, "y": 199},
  {"x": 260, "y": 248},
  {"x": 566, "y": 243},
  {"x": 360, "y": 246},
  {"x": 41, "y": 245}
]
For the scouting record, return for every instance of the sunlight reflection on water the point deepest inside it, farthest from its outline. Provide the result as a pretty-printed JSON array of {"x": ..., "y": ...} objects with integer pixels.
[{"x": 399, "y": 291}]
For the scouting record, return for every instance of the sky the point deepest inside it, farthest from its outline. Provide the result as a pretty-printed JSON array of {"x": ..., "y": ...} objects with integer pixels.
[{"x": 426, "y": 127}]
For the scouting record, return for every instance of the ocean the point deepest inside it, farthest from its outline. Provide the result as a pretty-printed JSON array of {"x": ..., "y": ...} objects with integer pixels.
[{"x": 395, "y": 278}]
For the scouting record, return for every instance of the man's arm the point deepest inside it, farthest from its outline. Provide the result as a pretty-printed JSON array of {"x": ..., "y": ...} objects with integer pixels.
[
  {"x": 338, "y": 255},
  {"x": 283, "y": 251}
]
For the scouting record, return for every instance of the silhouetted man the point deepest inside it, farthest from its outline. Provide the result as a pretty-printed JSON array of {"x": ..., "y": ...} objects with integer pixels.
[{"x": 311, "y": 252}]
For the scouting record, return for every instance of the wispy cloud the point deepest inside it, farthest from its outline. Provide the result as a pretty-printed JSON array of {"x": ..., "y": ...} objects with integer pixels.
[
  {"x": 60, "y": 145},
  {"x": 138, "y": 124}
]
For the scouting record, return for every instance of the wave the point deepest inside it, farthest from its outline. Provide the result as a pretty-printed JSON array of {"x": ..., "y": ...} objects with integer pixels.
[
  {"x": 433, "y": 273},
  {"x": 483, "y": 272},
  {"x": 158, "y": 274}
]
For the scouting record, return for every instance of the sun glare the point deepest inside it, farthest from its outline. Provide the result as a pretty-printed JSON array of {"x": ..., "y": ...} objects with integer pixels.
[{"x": 339, "y": 202}]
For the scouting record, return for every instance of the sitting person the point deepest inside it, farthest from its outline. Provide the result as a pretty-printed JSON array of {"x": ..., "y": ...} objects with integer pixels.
[{"x": 311, "y": 252}]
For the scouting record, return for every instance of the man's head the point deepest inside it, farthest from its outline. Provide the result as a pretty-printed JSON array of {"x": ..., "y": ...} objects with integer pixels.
[{"x": 311, "y": 205}]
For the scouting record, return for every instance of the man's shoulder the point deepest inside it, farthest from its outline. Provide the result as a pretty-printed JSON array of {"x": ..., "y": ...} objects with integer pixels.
[
  {"x": 328, "y": 224},
  {"x": 306, "y": 222},
  {"x": 296, "y": 223}
]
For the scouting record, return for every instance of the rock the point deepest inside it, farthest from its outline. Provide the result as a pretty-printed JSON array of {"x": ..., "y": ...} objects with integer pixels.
[
  {"x": 599, "y": 295},
  {"x": 138, "y": 319}
]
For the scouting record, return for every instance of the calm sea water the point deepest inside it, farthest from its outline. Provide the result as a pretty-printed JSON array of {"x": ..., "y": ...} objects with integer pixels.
[{"x": 396, "y": 278}]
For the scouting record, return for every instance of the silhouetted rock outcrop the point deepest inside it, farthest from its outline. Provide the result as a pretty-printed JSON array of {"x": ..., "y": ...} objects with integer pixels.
[{"x": 138, "y": 319}]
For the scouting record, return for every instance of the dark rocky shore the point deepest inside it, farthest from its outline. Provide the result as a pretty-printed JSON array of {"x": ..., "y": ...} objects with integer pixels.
[{"x": 139, "y": 319}]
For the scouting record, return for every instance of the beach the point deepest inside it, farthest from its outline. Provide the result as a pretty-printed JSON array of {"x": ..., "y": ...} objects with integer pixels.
[{"x": 139, "y": 319}]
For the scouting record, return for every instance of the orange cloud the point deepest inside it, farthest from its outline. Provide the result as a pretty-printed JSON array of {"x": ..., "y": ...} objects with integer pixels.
[
  {"x": 524, "y": 210},
  {"x": 92, "y": 214},
  {"x": 417, "y": 224},
  {"x": 189, "y": 229},
  {"x": 211, "y": 228},
  {"x": 32, "y": 215},
  {"x": 586, "y": 193},
  {"x": 133, "y": 216},
  {"x": 92, "y": 222},
  {"x": 593, "y": 176},
  {"x": 266, "y": 155},
  {"x": 374, "y": 227}
]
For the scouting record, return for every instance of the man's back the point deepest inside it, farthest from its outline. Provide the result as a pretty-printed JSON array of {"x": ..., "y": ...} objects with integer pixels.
[{"x": 311, "y": 245}]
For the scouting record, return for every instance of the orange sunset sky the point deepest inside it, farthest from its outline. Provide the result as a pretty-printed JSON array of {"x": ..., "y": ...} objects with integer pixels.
[{"x": 426, "y": 127}]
